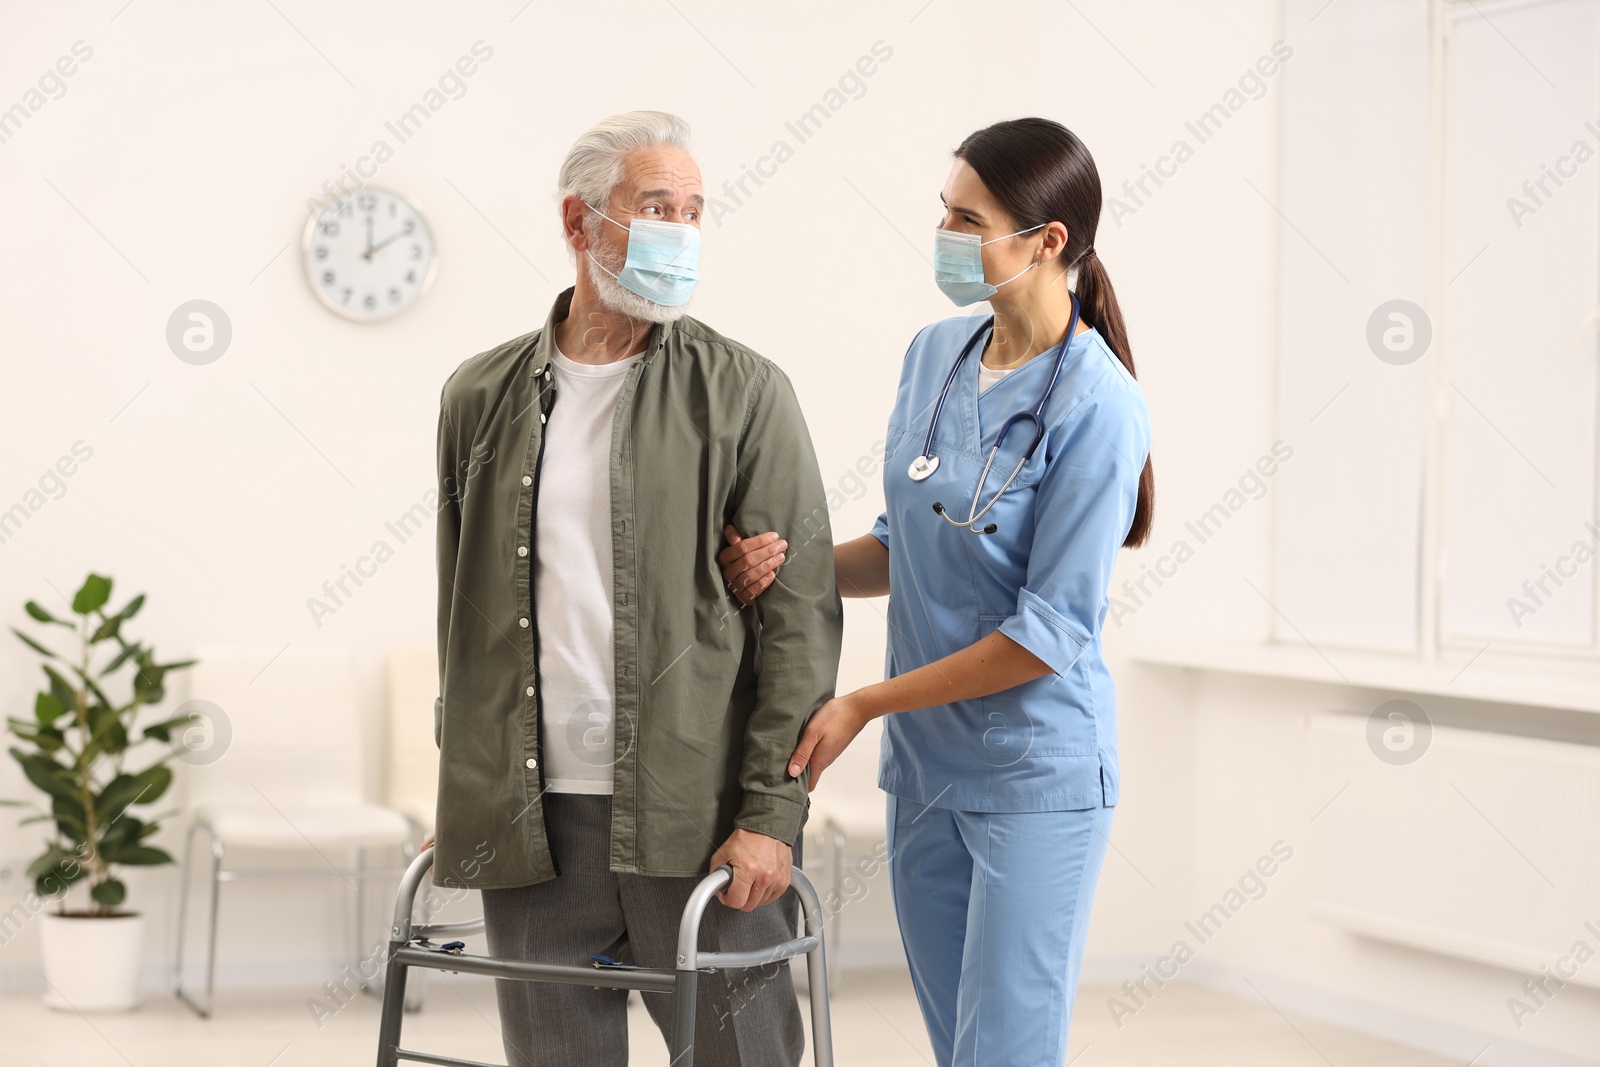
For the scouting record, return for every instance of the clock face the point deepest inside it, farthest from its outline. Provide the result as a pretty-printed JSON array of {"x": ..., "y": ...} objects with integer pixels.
[{"x": 369, "y": 255}]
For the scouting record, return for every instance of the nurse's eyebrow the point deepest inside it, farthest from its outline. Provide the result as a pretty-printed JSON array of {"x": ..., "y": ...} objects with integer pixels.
[{"x": 976, "y": 216}]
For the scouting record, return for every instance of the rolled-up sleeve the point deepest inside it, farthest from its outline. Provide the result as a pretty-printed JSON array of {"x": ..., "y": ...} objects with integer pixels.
[
  {"x": 880, "y": 529},
  {"x": 1083, "y": 508}
]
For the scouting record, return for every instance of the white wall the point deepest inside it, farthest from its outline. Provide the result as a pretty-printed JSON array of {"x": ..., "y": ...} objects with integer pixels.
[{"x": 177, "y": 166}]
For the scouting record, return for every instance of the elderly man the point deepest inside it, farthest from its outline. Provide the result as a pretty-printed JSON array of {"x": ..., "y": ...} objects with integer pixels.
[{"x": 611, "y": 726}]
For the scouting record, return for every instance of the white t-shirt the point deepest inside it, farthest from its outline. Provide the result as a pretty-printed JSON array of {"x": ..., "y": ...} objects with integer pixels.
[
  {"x": 572, "y": 577},
  {"x": 988, "y": 375}
]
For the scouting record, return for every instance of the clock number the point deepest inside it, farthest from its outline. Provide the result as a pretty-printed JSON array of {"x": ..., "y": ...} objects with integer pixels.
[
  {"x": 346, "y": 298},
  {"x": 394, "y": 295},
  {"x": 322, "y": 251},
  {"x": 369, "y": 302},
  {"x": 416, "y": 251},
  {"x": 367, "y": 201},
  {"x": 330, "y": 227},
  {"x": 327, "y": 277},
  {"x": 411, "y": 276}
]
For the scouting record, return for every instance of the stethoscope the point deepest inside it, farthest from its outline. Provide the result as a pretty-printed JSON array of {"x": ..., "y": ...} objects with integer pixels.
[{"x": 925, "y": 464}]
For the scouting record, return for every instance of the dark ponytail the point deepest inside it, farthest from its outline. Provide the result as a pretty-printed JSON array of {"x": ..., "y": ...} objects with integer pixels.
[{"x": 1040, "y": 172}]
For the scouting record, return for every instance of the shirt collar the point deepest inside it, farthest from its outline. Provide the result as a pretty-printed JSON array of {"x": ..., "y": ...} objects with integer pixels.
[{"x": 545, "y": 347}]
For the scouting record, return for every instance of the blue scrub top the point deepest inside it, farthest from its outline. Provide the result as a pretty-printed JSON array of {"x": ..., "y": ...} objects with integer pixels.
[{"x": 1041, "y": 578}]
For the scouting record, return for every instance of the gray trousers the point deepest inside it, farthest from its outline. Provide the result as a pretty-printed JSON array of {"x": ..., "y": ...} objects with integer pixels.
[{"x": 744, "y": 1017}]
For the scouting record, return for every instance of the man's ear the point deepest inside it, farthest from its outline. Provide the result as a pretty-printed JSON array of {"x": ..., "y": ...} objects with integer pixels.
[{"x": 574, "y": 223}]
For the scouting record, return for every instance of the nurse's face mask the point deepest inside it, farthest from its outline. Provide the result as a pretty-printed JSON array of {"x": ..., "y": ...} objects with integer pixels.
[
  {"x": 663, "y": 263},
  {"x": 958, "y": 265}
]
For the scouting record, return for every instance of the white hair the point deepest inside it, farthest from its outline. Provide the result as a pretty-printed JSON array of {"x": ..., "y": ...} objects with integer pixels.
[{"x": 593, "y": 166}]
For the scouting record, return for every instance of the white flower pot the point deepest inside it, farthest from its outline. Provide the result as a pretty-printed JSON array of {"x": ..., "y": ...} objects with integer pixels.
[{"x": 91, "y": 964}]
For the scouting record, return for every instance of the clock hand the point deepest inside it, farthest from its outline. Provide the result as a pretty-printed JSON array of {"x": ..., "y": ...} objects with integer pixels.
[
  {"x": 368, "y": 253},
  {"x": 386, "y": 240}
]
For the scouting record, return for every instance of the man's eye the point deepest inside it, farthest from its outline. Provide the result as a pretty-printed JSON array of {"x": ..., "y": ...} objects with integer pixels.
[{"x": 653, "y": 208}]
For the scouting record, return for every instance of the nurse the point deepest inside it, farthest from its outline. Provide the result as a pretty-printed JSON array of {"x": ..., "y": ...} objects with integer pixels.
[{"x": 1016, "y": 466}]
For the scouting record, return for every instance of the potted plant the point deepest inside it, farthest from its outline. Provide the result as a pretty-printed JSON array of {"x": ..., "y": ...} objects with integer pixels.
[{"x": 79, "y": 749}]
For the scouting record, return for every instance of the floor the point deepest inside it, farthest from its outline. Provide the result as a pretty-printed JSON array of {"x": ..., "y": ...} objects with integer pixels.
[{"x": 874, "y": 1014}]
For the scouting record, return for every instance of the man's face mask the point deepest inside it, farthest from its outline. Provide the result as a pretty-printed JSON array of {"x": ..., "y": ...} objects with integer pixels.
[{"x": 663, "y": 262}]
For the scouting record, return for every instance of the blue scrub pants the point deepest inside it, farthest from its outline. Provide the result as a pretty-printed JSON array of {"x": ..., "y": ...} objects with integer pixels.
[{"x": 993, "y": 908}]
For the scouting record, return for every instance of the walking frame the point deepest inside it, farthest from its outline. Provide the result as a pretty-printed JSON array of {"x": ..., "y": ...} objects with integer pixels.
[{"x": 411, "y": 945}]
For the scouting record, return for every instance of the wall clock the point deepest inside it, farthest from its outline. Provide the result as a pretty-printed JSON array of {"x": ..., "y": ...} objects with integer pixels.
[{"x": 369, "y": 254}]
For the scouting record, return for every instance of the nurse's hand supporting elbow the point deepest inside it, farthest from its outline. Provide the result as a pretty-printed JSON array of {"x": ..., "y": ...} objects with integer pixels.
[
  {"x": 749, "y": 564},
  {"x": 828, "y": 733}
]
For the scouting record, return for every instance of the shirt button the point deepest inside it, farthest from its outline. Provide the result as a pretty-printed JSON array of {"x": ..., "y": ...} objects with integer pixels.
[
  {"x": 522, "y": 623},
  {"x": 533, "y": 763},
  {"x": 527, "y": 480},
  {"x": 530, "y": 690},
  {"x": 522, "y": 550}
]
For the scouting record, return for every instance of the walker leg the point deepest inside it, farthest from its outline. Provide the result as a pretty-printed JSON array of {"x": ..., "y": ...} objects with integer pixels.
[
  {"x": 394, "y": 995},
  {"x": 683, "y": 994},
  {"x": 817, "y": 978}
]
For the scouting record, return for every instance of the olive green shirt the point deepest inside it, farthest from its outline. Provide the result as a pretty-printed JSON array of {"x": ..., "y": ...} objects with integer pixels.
[{"x": 710, "y": 699}]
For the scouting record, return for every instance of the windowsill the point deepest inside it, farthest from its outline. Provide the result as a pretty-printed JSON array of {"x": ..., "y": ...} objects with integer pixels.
[{"x": 1545, "y": 683}]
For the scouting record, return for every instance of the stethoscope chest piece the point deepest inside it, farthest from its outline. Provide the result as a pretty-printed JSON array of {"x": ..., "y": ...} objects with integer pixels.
[{"x": 923, "y": 466}]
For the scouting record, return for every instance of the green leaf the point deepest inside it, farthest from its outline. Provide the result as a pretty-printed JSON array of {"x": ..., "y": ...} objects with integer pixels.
[
  {"x": 131, "y": 608},
  {"x": 140, "y": 856},
  {"x": 53, "y": 857},
  {"x": 60, "y": 689},
  {"x": 47, "y": 708},
  {"x": 55, "y": 880},
  {"x": 120, "y": 658},
  {"x": 31, "y": 643},
  {"x": 147, "y": 684},
  {"x": 33, "y": 608},
  {"x": 93, "y": 595},
  {"x": 116, "y": 796},
  {"x": 109, "y": 893},
  {"x": 122, "y": 833},
  {"x": 105, "y": 630},
  {"x": 47, "y": 774},
  {"x": 68, "y": 808},
  {"x": 106, "y": 732},
  {"x": 48, "y": 740},
  {"x": 162, "y": 731},
  {"x": 153, "y": 782}
]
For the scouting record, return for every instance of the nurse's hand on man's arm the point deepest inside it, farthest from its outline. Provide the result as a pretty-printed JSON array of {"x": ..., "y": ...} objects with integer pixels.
[{"x": 828, "y": 733}]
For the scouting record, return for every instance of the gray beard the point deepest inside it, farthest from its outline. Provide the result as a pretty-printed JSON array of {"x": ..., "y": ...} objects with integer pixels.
[{"x": 622, "y": 300}]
